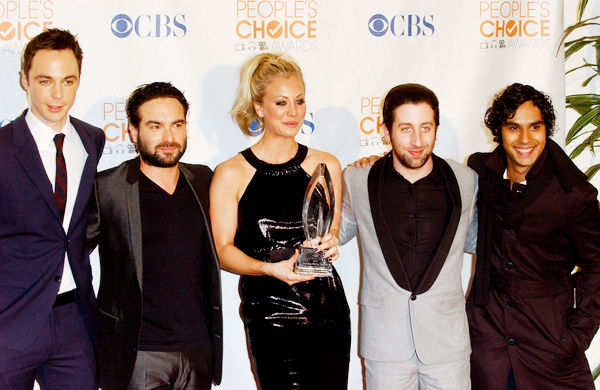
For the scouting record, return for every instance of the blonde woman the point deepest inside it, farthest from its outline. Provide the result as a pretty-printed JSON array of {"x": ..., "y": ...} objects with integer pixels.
[{"x": 298, "y": 326}]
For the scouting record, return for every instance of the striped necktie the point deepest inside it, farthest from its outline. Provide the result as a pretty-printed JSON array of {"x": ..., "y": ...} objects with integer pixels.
[{"x": 60, "y": 182}]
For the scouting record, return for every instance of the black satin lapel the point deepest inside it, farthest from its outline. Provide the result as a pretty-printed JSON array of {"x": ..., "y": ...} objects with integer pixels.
[
  {"x": 434, "y": 268},
  {"x": 392, "y": 259},
  {"x": 31, "y": 162}
]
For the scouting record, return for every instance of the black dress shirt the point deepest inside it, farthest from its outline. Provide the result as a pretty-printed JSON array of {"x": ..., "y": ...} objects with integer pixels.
[{"x": 417, "y": 214}]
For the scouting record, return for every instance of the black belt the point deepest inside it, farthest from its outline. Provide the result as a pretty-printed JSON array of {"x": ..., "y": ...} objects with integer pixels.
[{"x": 66, "y": 298}]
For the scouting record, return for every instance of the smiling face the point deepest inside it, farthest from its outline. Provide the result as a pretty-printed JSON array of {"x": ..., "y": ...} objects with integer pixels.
[
  {"x": 412, "y": 137},
  {"x": 523, "y": 139},
  {"x": 161, "y": 136},
  {"x": 51, "y": 85},
  {"x": 282, "y": 107}
]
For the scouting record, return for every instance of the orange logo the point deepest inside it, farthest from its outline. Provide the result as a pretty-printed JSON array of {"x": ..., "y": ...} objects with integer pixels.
[
  {"x": 514, "y": 19},
  {"x": 371, "y": 122},
  {"x": 275, "y": 20},
  {"x": 23, "y": 20},
  {"x": 115, "y": 128},
  {"x": 7, "y": 32}
]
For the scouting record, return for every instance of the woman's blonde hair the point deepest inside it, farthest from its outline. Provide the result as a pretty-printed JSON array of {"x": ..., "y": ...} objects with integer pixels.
[{"x": 255, "y": 75}]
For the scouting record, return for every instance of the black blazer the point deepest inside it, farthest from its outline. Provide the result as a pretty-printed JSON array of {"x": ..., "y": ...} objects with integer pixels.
[
  {"x": 32, "y": 240},
  {"x": 115, "y": 225}
]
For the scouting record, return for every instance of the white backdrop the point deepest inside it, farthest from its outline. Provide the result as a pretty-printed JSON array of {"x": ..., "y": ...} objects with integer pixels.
[{"x": 351, "y": 53}]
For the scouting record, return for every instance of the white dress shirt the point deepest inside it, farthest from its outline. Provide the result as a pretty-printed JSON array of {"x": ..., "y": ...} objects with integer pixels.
[
  {"x": 75, "y": 156},
  {"x": 505, "y": 176}
]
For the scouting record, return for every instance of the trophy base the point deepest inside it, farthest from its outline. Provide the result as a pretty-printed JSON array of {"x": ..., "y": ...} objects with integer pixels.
[{"x": 311, "y": 263}]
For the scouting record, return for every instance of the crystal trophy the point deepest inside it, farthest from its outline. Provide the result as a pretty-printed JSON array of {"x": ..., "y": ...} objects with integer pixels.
[{"x": 317, "y": 216}]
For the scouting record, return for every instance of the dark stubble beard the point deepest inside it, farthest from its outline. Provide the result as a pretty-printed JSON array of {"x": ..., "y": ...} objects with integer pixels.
[
  {"x": 155, "y": 159},
  {"x": 410, "y": 162}
]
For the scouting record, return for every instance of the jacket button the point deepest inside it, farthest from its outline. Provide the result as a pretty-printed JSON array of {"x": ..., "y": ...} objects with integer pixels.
[
  {"x": 413, "y": 297},
  {"x": 57, "y": 278},
  {"x": 509, "y": 265},
  {"x": 510, "y": 304},
  {"x": 512, "y": 342}
]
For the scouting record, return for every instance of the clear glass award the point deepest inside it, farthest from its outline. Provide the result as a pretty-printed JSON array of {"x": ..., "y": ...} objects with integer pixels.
[{"x": 317, "y": 216}]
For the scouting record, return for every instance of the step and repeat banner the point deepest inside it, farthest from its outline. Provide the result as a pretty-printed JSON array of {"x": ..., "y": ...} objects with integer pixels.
[{"x": 351, "y": 53}]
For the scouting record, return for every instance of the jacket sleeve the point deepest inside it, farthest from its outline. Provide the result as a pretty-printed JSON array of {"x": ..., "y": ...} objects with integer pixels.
[
  {"x": 348, "y": 227},
  {"x": 471, "y": 240},
  {"x": 584, "y": 231}
]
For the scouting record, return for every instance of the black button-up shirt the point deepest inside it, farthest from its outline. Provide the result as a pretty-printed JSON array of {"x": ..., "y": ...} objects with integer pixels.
[{"x": 417, "y": 214}]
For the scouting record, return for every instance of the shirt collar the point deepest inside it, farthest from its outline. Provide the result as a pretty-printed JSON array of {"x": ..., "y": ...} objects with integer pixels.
[
  {"x": 434, "y": 175},
  {"x": 505, "y": 177},
  {"x": 44, "y": 135}
]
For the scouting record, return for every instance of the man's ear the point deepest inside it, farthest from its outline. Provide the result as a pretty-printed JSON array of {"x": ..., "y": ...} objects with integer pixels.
[
  {"x": 23, "y": 81},
  {"x": 386, "y": 134},
  {"x": 133, "y": 134}
]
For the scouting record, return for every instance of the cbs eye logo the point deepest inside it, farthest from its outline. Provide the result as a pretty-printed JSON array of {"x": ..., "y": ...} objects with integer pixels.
[
  {"x": 401, "y": 25},
  {"x": 378, "y": 25},
  {"x": 148, "y": 26},
  {"x": 121, "y": 26}
]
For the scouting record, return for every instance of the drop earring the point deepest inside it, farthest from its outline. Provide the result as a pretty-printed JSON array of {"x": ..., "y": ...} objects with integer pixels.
[{"x": 255, "y": 128}]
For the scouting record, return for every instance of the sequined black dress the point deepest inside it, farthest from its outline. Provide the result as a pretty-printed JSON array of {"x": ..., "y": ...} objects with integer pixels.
[{"x": 299, "y": 335}]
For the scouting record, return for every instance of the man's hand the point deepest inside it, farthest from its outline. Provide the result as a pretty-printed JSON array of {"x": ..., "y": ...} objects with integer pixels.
[{"x": 365, "y": 161}]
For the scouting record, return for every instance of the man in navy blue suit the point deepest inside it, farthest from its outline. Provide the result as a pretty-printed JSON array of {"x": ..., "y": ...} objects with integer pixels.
[{"x": 48, "y": 162}]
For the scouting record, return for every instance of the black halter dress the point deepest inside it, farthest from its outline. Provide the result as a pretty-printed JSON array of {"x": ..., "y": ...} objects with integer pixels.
[{"x": 299, "y": 335}]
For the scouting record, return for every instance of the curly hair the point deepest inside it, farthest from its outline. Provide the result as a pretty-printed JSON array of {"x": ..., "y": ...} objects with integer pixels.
[
  {"x": 507, "y": 102},
  {"x": 255, "y": 75}
]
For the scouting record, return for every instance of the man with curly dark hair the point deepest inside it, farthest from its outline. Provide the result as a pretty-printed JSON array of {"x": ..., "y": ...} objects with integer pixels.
[{"x": 538, "y": 220}]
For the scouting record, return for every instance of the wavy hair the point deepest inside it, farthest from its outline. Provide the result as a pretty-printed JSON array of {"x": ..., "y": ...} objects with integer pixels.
[
  {"x": 255, "y": 75},
  {"x": 147, "y": 92},
  {"x": 507, "y": 102}
]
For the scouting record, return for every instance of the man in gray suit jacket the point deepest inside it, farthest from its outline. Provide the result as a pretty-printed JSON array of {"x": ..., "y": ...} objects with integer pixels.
[
  {"x": 160, "y": 292},
  {"x": 413, "y": 212}
]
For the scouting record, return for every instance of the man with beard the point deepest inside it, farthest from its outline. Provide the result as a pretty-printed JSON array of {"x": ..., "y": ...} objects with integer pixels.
[
  {"x": 530, "y": 319},
  {"x": 160, "y": 294},
  {"x": 413, "y": 212}
]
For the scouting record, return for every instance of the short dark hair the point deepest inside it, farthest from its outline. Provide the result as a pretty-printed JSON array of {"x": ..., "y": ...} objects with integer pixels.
[
  {"x": 147, "y": 92},
  {"x": 507, "y": 102},
  {"x": 52, "y": 39},
  {"x": 408, "y": 93}
]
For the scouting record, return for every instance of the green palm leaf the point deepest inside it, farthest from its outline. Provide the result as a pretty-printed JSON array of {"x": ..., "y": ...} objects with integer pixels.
[
  {"x": 590, "y": 172},
  {"x": 581, "y": 122}
]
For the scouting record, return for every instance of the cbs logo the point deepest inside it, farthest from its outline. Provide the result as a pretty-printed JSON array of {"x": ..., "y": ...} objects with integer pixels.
[
  {"x": 147, "y": 26},
  {"x": 402, "y": 25}
]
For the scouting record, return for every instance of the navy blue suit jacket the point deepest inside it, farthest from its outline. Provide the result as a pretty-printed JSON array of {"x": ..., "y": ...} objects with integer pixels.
[{"x": 32, "y": 240}]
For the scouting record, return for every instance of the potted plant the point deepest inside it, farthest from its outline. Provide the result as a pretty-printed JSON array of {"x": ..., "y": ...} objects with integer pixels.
[{"x": 586, "y": 129}]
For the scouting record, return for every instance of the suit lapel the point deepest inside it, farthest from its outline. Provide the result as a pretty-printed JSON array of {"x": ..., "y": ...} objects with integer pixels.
[
  {"x": 29, "y": 158},
  {"x": 88, "y": 173},
  {"x": 436, "y": 264},
  {"x": 392, "y": 259},
  {"x": 135, "y": 217}
]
